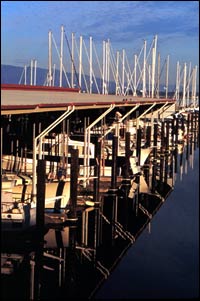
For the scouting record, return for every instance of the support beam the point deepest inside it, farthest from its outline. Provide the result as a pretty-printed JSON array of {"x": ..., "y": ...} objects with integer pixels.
[
  {"x": 40, "y": 137},
  {"x": 87, "y": 142}
]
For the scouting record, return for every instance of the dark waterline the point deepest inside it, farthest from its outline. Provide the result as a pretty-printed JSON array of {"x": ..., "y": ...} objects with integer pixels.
[{"x": 165, "y": 262}]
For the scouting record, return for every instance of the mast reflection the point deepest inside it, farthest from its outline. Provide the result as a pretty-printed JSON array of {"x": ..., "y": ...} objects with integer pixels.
[{"x": 72, "y": 260}]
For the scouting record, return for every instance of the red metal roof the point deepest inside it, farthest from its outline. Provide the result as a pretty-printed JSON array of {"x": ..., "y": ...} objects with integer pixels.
[{"x": 37, "y": 88}]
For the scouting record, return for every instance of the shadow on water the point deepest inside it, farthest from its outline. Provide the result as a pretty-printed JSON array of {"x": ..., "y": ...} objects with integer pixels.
[{"x": 74, "y": 260}]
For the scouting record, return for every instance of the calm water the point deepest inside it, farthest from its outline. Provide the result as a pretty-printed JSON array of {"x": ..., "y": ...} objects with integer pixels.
[{"x": 165, "y": 262}]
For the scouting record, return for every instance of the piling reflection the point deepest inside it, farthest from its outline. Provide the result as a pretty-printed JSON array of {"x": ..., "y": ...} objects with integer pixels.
[{"x": 72, "y": 260}]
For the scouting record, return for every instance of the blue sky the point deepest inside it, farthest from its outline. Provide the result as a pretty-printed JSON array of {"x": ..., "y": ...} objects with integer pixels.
[{"x": 25, "y": 26}]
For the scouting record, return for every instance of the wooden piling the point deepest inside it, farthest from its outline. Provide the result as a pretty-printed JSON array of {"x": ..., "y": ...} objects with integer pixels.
[
  {"x": 97, "y": 171},
  {"x": 40, "y": 206},
  {"x": 163, "y": 134},
  {"x": 138, "y": 145},
  {"x": 114, "y": 163},
  {"x": 148, "y": 136},
  {"x": 176, "y": 131},
  {"x": 73, "y": 182},
  {"x": 127, "y": 154},
  {"x": 155, "y": 137},
  {"x": 167, "y": 134}
]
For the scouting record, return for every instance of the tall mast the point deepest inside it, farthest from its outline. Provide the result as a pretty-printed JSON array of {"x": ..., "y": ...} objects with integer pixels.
[
  {"x": 90, "y": 65},
  {"x": 72, "y": 63},
  {"x": 167, "y": 78},
  {"x": 103, "y": 73},
  {"x": 50, "y": 59},
  {"x": 150, "y": 81},
  {"x": 123, "y": 70},
  {"x": 194, "y": 74},
  {"x": 25, "y": 71},
  {"x": 35, "y": 67},
  {"x": 188, "y": 83},
  {"x": 144, "y": 70},
  {"x": 184, "y": 83},
  {"x": 80, "y": 59},
  {"x": 108, "y": 66},
  {"x": 31, "y": 73},
  {"x": 153, "y": 66},
  {"x": 61, "y": 54},
  {"x": 177, "y": 81},
  {"x": 117, "y": 75},
  {"x": 158, "y": 77},
  {"x": 54, "y": 72},
  {"x": 135, "y": 75}
]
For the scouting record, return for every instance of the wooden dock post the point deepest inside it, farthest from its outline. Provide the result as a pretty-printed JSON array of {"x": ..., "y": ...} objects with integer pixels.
[
  {"x": 176, "y": 131},
  {"x": 167, "y": 134},
  {"x": 40, "y": 205},
  {"x": 114, "y": 162},
  {"x": 138, "y": 145},
  {"x": 127, "y": 154},
  {"x": 97, "y": 170},
  {"x": 155, "y": 137},
  {"x": 148, "y": 136},
  {"x": 163, "y": 134},
  {"x": 73, "y": 183},
  {"x": 161, "y": 166}
]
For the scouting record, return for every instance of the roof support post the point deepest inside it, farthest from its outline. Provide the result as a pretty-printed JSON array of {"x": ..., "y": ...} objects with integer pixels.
[
  {"x": 87, "y": 143},
  {"x": 40, "y": 137}
]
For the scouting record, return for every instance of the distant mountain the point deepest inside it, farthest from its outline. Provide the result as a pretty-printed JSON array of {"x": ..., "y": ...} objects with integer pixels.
[{"x": 15, "y": 75}]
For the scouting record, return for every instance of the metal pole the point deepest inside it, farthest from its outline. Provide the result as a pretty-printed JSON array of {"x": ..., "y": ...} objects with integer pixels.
[
  {"x": 167, "y": 77},
  {"x": 153, "y": 73},
  {"x": 144, "y": 71},
  {"x": 158, "y": 77},
  {"x": 177, "y": 81},
  {"x": 80, "y": 59},
  {"x": 135, "y": 75},
  {"x": 35, "y": 72},
  {"x": 117, "y": 75},
  {"x": 184, "y": 84},
  {"x": 103, "y": 73},
  {"x": 61, "y": 54},
  {"x": 54, "y": 72},
  {"x": 50, "y": 59},
  {"x": 31, "y": 83},
  {"x": 123, "y": 70},
  {"x": 188, "y": 84},
  {"x": 149, "y": 81},
  {"x": 72, "y": 63},
  {"x": 90, "y": 65},
  {"x": 25, "y": 71},
  {"x": 108, "y": 65},
  {"x": 154, "y": 64}
]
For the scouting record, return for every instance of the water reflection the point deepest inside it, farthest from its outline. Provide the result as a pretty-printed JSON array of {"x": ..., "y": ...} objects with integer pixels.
[{"x": 72, "y": 260}]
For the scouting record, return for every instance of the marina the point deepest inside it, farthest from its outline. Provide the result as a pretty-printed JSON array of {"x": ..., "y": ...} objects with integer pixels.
[{"x": 84, "y": 174}]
